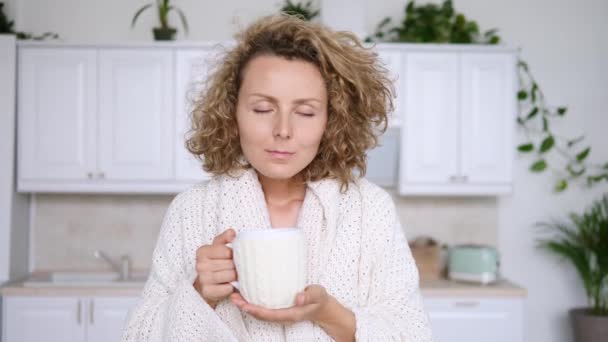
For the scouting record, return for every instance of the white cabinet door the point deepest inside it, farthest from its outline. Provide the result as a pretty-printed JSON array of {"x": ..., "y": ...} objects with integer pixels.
[
  {"x": 476, "y": 320},
  {"x": 34, "y": 319},
  {"x": 192, "y": 68},
  {"x": 135, "y": 114},
  {"x": 107, "y": 317},
  {"x": 430, "y": 150},
  {"x": 56, "y": 113},
  {"x": 393, "y": 60},
  {"x": 488, "y": 117}
]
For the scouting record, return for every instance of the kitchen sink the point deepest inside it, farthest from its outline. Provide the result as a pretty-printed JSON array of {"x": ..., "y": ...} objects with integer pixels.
[{"x": 80, "y": 279}]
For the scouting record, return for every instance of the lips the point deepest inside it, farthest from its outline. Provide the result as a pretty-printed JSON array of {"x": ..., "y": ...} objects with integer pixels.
[{"x": 280, "y": 154}]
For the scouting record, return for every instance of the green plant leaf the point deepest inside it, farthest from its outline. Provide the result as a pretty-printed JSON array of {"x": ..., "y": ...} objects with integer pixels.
[
  {"x": 596, "y": 178},
  {"x": 545, "y": 124},
  {"x": 522, "y": 95},
  {"x": 494, "y": 40},
  {"x": 561, "y": 185},
  {"x": 522, "y": 65},
  {"x": 573, "y": 172},
  {"x": 532, "y": 113},
  {"x": 547, "y": 144},
  {"x": 525, "y": 147},
  {"x": 182, "y": 17},
  {"x": 562, "y": 111},
  {"x": 575, "y": 141},
  {"x": 538, "y": 166},
  {"x": 138, "y": 13},
  {"x": 581, "y": 156},
  {"x": 533, "y": 91}
]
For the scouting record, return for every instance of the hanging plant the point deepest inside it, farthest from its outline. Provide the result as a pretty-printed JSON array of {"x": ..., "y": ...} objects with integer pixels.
[{"x": 433, "y": 23}]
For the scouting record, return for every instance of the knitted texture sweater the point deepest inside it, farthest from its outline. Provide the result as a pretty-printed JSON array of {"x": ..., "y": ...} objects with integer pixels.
[{"x": 356, "y": 250}]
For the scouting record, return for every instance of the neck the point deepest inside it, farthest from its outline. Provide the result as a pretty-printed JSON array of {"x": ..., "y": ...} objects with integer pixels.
[{"x": 282, "y": 191}]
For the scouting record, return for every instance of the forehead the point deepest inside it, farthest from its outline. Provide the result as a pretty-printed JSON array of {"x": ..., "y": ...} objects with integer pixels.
[{"x": 278, "y": 76}]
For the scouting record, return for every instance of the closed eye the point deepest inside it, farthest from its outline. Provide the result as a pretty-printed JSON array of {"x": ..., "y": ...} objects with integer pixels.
[
  {"x": 307, "y": 114},
  {"x": 262, "y": 111}
]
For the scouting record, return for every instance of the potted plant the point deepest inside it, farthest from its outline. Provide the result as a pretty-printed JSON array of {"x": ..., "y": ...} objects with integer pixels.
[
  {"x": 164, "y": 32},
  {"x": 304, "y": 11},
  {"x": 583, "y": 241}
]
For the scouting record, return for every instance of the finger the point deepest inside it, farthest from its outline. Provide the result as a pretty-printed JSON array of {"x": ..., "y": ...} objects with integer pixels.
[
  {"x": 216, "y": 265},
  {"x": 301, "y": 299},
  {"x": 237, "y": 299},
  {"x": 227, "y": 236},
  {"x": 216, "y": 292},
  {"x": 222, "y": 277},
  {"x": 218, "y": 252},
  {"x": 292, "y": 314},
  {"x": 312, "y": 294}
]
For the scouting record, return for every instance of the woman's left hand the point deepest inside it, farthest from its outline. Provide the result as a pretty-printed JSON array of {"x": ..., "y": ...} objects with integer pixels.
[{"x": 310, "y": 305}]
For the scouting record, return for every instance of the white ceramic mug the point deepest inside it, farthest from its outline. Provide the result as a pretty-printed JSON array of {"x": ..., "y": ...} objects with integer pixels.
[{"x": 271, "y": 265}]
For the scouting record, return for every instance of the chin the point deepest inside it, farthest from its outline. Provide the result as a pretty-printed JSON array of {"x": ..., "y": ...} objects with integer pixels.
[{"x": 277, "y": 171}]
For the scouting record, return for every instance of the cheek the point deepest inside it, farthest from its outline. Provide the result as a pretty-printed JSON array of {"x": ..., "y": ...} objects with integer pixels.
[
  {"x": 312, "y": 135},
  {"x": 249, "y": 129}
]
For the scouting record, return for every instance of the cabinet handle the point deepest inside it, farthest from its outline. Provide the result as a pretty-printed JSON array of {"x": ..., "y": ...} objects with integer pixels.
[
  {"x": 90, "y": 175},
  {"x": 78, "y": 312},
  {"x": 91, "y": 312},
  {"x": 467, "y": 304},
  {"x": 459, "y": 178},
  {"x": 101, "y": 175}
]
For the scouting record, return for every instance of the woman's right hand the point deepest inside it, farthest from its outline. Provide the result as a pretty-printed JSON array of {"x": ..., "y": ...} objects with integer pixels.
[{"x": 215, "y": 269}]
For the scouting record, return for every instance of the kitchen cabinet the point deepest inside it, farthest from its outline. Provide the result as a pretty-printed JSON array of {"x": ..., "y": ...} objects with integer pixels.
[
  {"x": 95, "y": 120},
  {"x": 57, "y": 105},
  {"x": 105, "y": 118},
  {"x": 392, "y": 59},
  {"x": 471, "y": 319},
  {"x": 71, "y": 319},
  {"x": 192, "y": 69},
  {"x": 458, "y": 123},
  {"x": 107, "y": 317},
  {"x": 135, "y": 108}
]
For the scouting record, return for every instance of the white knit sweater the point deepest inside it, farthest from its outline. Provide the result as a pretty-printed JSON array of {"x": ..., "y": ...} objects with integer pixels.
[{"x": 356, "y": 249}]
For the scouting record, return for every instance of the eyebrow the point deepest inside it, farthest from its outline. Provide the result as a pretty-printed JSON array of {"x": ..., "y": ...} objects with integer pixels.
[{"x": 298, "y": 101}]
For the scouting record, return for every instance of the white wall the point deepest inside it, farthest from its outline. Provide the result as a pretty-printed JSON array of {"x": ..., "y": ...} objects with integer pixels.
[
  {"x": 565, "y": 44},
  {"x": 14, "y": 208},
  {"x": 563, "y": 41}
]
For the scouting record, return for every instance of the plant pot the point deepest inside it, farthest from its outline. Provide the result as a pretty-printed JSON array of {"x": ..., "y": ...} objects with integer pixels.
[
  {"x": 164, "y": 33},
  {"x": 588, "y": 327}
]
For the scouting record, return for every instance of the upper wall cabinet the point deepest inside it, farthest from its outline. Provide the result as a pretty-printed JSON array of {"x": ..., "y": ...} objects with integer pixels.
[
  {"x": 114, "y": 118},
  {"x": 57, "y": 105},
  {"x": 192, "y": 68},
  {"x": 135, "y": 132},
  {"x": 95, "y": 120},
  {"x": 458, "y": 123}
]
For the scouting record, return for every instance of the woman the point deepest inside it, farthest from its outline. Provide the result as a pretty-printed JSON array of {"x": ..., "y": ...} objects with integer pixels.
[{"x": 284, "y": 127}]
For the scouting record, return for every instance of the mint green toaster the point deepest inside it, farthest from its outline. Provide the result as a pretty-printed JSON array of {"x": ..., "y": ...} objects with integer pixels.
[{"x": 473, "y": 263}]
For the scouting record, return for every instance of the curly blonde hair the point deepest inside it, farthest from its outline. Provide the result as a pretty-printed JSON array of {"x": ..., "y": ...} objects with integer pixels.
[{"x": 359, "y": 93}]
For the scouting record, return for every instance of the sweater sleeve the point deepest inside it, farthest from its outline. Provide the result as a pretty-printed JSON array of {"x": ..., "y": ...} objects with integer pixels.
[
  {"x": 394, "y": 310},
  {"x": 170, "y": 309}
]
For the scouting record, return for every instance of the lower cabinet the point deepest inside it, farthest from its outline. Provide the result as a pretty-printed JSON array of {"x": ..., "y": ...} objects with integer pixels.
[
  {"x": 66, "y": 319},
  {"x": 476, "y": 319},
  {"x": 102, "y": 318}
]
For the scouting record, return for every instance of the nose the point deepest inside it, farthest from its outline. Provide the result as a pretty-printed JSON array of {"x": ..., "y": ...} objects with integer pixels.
[{"x": 282, "y": 126}]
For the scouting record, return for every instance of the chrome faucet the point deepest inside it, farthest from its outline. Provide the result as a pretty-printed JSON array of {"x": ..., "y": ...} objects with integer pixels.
[{"x": 123, "y": 269}]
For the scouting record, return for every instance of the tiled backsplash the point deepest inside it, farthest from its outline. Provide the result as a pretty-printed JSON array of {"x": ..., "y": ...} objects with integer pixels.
[{"x": 68, "y": 228}]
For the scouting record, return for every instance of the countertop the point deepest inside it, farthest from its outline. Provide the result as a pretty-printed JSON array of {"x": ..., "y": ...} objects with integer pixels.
[{"x": 436, "y": 288}]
